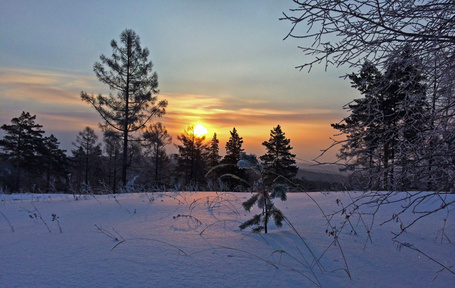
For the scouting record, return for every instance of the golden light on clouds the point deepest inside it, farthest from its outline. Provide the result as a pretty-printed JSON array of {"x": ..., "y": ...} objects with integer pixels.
[{"x": 55, "y": 99}]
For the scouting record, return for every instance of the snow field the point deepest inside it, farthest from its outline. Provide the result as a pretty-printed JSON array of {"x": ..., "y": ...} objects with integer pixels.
[{"x": 192, "y": 239}]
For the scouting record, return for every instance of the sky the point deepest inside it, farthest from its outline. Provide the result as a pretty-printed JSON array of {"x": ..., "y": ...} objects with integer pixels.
[{"x": 222, "y": 64}]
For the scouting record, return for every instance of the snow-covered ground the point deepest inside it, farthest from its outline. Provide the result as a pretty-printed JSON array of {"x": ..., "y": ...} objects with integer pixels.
[{"x": 192, "y": 239}]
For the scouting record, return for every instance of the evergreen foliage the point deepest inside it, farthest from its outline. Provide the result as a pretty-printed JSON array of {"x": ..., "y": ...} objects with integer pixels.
[
  {"x": 129, "y": 72},
  {"x": 386, "y": 125},
  {"x": 113, "y": 150},
  {"x": 192, "y": 158},
  {"x": 214, "y": 152},
  {"x": 30, "y": 155},
  {"x": 155, "y": 138},
  {"x": 87, "y": 156},
  {"x": 279, "y": 163},
  {"x": 230, "y": 171},
  {"x": 54, "y": 160},
  {"x": 263, "y": 197}
]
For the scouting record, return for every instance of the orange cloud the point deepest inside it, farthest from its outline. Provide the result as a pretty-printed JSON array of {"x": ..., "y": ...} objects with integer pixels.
[{"x": 55, "y": 98}]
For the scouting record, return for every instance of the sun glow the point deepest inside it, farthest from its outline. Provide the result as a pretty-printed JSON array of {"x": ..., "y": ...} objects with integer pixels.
[{"x": 200, "y": 130}]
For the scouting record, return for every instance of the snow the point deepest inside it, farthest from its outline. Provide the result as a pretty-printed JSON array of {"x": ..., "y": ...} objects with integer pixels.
[{"x": 192, "y": 239}]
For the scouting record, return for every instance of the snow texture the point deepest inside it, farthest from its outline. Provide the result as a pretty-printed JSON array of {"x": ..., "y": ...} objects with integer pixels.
[{"x": 192, "y": 239}]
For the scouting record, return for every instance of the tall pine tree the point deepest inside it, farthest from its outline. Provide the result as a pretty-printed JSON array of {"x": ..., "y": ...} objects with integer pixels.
[
  {"x": 129, "y": 72},
  {"x": 279, "y": 162}
]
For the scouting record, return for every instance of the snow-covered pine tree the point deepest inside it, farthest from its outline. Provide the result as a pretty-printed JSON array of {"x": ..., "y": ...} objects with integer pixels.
[{"x": 386, "y": 127}]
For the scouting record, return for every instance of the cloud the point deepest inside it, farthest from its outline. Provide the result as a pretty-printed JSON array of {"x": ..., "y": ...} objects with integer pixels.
[{"x": 55, "y": 98}]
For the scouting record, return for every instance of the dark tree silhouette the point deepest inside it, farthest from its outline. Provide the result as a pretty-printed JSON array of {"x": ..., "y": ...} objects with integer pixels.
[
  {"x": 192, "y": 157},
  {"x": 155, "y": 138},
  {"x": 87, "y": 154},
  {"x": 54, "y": 160},
  {"x": 21, "y": 146},
  {"x": 129, "y": 73},
  {"x": 279, "y": 162},
  {"x": 230, "y": 171}
]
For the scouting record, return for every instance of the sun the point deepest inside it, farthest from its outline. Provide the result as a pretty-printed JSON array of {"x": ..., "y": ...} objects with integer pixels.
[{"x": 200, "y": 130}]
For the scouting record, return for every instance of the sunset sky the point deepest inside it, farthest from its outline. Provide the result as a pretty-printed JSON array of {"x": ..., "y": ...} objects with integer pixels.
[{"x": 223, "y": 64}]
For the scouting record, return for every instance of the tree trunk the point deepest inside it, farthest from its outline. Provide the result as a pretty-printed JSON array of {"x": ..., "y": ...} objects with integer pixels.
[{"x": 125, "y": 128}]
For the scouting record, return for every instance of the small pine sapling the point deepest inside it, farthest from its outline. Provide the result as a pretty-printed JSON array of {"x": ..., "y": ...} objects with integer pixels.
[{"x": 263, "y": 196}]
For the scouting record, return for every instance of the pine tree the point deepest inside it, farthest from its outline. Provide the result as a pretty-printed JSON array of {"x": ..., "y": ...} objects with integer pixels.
[
  {"x": 233, "y": 148},
  {"x": 21, "y": 146},
  {"x": 386, "y": 127},
  {"x": 263, "y": 197},
  {"x": 192, "y": 158},
  {"x": 155, "y": 138},
  {"x": 129, "y": 73},
  {"x": 214, "y": 152},
  {"x": 54, "y": 160},
  {"x": 213, "y": 156},
  {"x": 87, "y": 155},
  {"x": 230, "y": 171},
  {"x": 279, "y": 163},
  {"x": 113, "y": 149}
]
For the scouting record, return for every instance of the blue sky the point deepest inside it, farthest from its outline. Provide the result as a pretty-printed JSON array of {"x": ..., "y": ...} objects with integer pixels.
[{"x": 220, "y": 63}]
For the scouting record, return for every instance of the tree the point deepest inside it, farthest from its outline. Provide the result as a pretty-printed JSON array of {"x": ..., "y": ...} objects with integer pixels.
[
  {"x": 113, "y": 149},
  {"x": 385, "y": 127},
  {"x": 155, "y": 138},
  {"x": 54, "y": 160},
  {"x": 263, "y": 196},
  {"x": 21, "y": 146},
  {"x": 279, "y": 163},
  {"x": 129, "y": 73},
  {"x": 192, "y": 157},
  {"x": 213, "y": 161},
  {"x": 355, "y": 31},
  {"x": 214, "y": 152},
  {"x": 87, "y": 154},
  {"x": 231, "y": 172},
  {"x": 233, "y": 148}
]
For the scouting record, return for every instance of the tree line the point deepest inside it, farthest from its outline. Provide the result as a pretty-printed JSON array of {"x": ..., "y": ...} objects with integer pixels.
[{"x": 33, "y": 162}]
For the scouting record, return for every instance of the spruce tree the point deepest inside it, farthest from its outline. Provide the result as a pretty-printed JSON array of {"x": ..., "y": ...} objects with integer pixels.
[
  {"x": 231, "y": 174},
  {"x": 213, "y": 157},
  {"x": 279, "y": 162},
  {"x": 233, "y": 148},
  {"x": 129, "y": 72}
]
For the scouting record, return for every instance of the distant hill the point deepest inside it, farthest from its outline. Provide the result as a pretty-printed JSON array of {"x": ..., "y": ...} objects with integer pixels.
[{"x": 322, "y": 173}]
